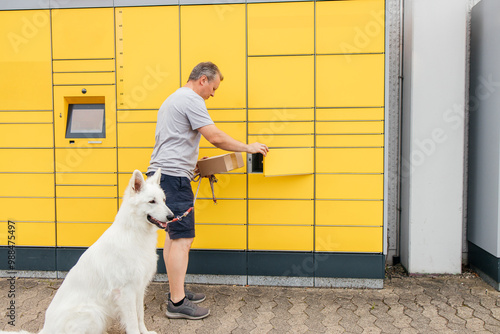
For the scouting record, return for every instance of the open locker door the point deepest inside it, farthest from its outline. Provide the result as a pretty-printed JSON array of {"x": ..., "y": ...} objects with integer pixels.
[{"x": 283, "y": 162}]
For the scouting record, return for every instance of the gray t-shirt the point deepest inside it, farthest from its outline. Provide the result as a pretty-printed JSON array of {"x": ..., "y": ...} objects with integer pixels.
[{"x": 177, "y": 139}]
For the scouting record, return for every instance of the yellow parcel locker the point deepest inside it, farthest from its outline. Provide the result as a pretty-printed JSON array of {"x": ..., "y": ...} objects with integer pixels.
[
  {"x": 225, "y": 212},
  {"x": 86, "y": 160},
  {"x": 360, "y": 127},
  {"x": 350, "y": 186},
  {"x": 350, "y": 160},
  {"x": 85, "y": 116},
  {"x": 350, "y": 26},
  {"x": 26, "y": 117},
  {"x": 227, "y": 51},
  {"x": 280, "y": 238},
  {"x": 26, "y": 185},
  {"x": 130, "y": 159},
  {"x": 273, "y": 141},
  {"x": 40, "y": 209},
  {"x": 25, "y": 60},
  {"x": 356, "y": 213},
  {"x": 91, "y": 210},
  {"x": 350, "y": 140},
  {"x": 228, "y": 185},
  {"x": 27, "y": 160},
  {"x": 281, "y": 28},
  {"x": 349, "y": 239},
  {"x": 26, "y": 135},
  {"x": 85, "y": 33},
  {"x": 283, "y": 212},
  {"x": 147, "y": 55},
  {"x": 272, "y": 83},
  {"x": 290, "y": 187},
  {"x": 136, "y": 116},
  {"x": 35, "y": 234},
  {"x": 357, "y": 81},
  {"x": 78, "y": 234},
  {"x": 219, "y": 237},
  {"x": 281, "y": 128},
  {"x": 350, "y": 114},
  {"x": 280, "y": 115},
  {"x": 136, "y": 135},
  {"x": 289, "y": 161},
  {"x": 228, "y": 115}
]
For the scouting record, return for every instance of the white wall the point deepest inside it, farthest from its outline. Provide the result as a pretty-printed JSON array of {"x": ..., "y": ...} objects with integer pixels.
[{"x": 433, "y": 135}]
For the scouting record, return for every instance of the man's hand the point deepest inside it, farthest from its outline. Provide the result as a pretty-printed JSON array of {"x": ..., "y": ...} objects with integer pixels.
[
  {"x": 258, "y": 148},
  {"x": 197, "y": 169}
]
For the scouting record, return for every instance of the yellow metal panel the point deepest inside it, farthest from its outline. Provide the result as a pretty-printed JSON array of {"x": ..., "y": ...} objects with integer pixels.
[
  {"x": 281, "y": 28},
  {"x": 280, "y": 115},
  {"x": 93, "y": 78},
  {"x": 27, "y": 185},
  {"x": 84, "y": 65},
  {"x": 27, "y": 209},
  {"x": 86, "y": 209},
  {"x": 289, "y": 161},
  {"x": 79, "y": 235},
  {"x": 85, "y": 179},
  {"x": 27, "y": 160},
  {"x": 357, "y": 81},
  {"x": 350, "y": 186},
  {"x": 349, "y": 239},
  {"x": 86, "y": 160},
  {"x": 86, "y": 191},
  {"x": 292, "y": 187},
  {"x": 35, "y": 234},
  {"x": 236, "y": 130},
  {"x": 284, "y": 238},
  {"x": 281, "y": 212},
  {"x": 26, "y": 135},
  {"x": 147, "y": 55},
  {"x": 350, "y": 114},
  {"x": 350, "y": 26},
  {"x": 284, "y": 140},
  {"x": 65, "y": 95},
  {"x": 349, "y": 140},
  {"x": 4, "y": 234},
  {"x": 350, "y": 160},
  {"x": 227, "y": 51},
  {"x": 130, "y": 159},
  {"x": 268, "y": 128},
  {"x": 282, "y": 87},
  {"x": 26, "y": 117},
  {"x": 137, "y": 116},
  {"x": 350, "y": 127},
  {"x": 25, "y": 60},
  {"x": 224, "y": 212},
  {"x": 136, "y": 135},
  {"x": 220, "y": 237},
  {"x": 228, "y": 186},
  {"x": 228, "y": 115},
  {"x": 83, "y": 33},
  {"x": 361, "y": 213}
]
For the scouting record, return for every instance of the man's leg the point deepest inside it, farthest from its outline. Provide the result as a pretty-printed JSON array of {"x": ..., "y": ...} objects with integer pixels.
[{"x": 176, "y": 257}]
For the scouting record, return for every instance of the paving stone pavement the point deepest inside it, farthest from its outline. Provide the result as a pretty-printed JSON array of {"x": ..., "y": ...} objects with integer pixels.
[{"x": 406, "y": 304}]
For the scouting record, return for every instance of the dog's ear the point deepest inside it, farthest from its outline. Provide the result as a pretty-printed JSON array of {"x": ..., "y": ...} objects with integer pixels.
[
  {"x": 137, "y": 181},
  {"x": 156, "y": 178}
]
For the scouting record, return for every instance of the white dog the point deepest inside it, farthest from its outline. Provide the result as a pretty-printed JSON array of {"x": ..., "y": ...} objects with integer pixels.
[{"x": 110, "y": 278}]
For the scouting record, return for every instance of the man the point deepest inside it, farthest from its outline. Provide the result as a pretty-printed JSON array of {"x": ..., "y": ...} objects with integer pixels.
[{"x": 182, "y": 119}]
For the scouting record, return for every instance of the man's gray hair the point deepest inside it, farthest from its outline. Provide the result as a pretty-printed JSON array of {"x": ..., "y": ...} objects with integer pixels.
[{"x": 209, "y": 69}]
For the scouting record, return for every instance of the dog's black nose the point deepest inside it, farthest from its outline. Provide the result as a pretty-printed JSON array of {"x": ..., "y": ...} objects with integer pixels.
[{"x": 170, "y": 217}]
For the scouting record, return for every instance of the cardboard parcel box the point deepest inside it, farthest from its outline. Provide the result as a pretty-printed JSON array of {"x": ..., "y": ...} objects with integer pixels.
[{"x": 220, "y": 163}]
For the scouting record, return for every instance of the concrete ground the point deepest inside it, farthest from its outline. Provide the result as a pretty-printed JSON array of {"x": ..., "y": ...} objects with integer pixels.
[{"x": 424, "y": 304}]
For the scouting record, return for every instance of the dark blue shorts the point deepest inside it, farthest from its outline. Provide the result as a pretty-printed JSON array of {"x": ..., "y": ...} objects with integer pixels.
[{"x": 179, "y": 199}]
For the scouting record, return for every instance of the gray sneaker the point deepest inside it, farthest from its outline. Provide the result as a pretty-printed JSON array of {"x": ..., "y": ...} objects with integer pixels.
[
  {"x": 187, "y": 310},
  {"x": 195, "y": 297}
]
